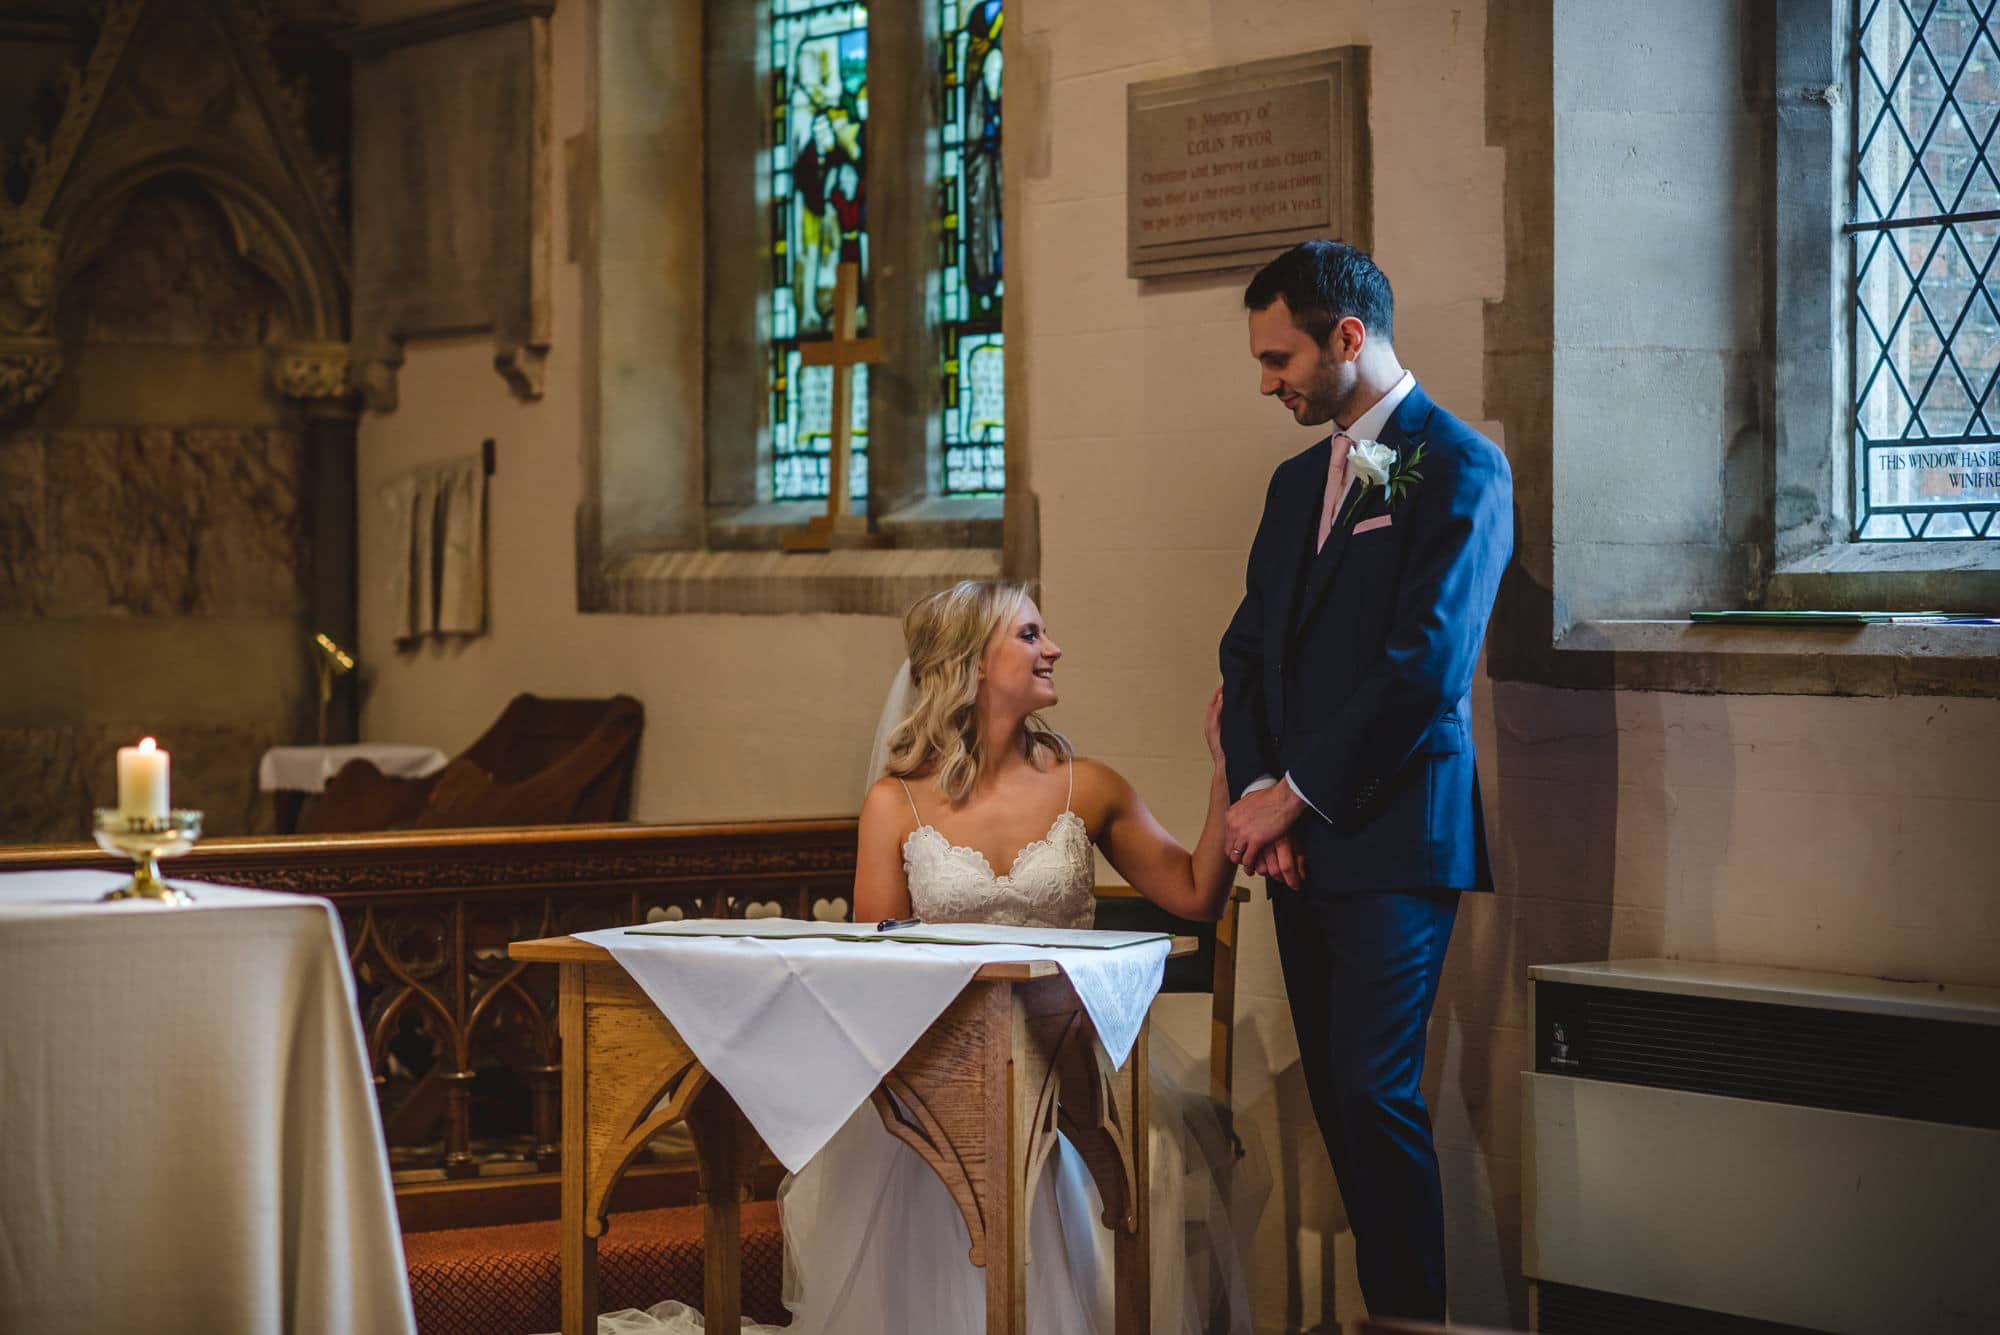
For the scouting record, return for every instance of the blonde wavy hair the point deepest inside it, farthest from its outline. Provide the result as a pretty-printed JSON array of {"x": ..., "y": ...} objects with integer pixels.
[{"x": 947, "y": 634}]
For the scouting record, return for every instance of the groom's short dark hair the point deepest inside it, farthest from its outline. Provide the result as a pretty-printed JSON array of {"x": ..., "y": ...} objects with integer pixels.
[{"x": 1324, "y": 282}]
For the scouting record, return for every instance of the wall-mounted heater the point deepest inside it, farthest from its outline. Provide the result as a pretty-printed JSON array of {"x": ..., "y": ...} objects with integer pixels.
[{"x": 1734, "y": 1150}]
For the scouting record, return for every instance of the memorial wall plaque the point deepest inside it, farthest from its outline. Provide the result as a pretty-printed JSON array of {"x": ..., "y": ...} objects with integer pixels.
[{"x": 1227, "y": 167}]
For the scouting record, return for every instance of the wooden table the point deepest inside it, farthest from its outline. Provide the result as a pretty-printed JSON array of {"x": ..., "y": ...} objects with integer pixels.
[{"x": 979, "y": 1097}]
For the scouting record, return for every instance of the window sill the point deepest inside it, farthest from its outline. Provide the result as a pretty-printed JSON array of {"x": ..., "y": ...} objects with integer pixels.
[
  {"x": 948, "y": 522},
  {"x": 1899, "y": 558},
  {"x": 1780, "y": 660},
  {"x": 774, "y": 583},
  {"x": 1949, "y": 576},
  {"x": 758, "y": 528}
]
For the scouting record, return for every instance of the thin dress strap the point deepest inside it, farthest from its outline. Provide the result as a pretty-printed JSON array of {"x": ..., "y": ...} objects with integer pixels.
[
  {"x": 1071, "y": 798},
  {"x": 913, "y": 803}
]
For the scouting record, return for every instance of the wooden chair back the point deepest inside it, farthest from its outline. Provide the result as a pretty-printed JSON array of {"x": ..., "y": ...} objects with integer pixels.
[
  {"x": 542, "y": 762},
  {"x": 1211, "y": 969}
]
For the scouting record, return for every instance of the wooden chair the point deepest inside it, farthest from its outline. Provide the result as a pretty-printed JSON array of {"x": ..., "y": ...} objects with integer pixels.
[
  {"x": 1210, "y": 969},
  {"x": 543, "y": 762}
]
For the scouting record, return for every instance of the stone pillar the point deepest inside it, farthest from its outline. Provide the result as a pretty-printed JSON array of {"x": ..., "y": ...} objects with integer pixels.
[
  {"x": 905, "y": 393},
  {"x": 318, "y": 378}
]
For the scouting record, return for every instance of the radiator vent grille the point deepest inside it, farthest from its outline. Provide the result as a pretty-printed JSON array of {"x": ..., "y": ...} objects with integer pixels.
[
  {"x": 1563, "y": 1310},
  {"x": 1895, "y": 1066}
]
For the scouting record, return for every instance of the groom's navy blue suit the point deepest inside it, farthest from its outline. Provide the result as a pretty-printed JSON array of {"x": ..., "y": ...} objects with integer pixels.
[{"x": 1348, "y": 671}]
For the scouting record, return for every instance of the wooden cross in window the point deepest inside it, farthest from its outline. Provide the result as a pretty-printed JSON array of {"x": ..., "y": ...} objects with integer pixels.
[{"x": 843, "y": 352}]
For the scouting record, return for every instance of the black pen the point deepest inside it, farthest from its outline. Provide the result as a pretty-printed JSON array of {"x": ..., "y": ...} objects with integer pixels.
[{"x": 891, "y": 924}]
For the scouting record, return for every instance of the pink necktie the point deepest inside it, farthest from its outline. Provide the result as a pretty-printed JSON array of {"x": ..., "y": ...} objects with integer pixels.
[{"x": 1336, "y": 488}]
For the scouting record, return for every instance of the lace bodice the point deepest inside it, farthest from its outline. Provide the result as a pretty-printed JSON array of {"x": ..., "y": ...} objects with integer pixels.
[{"x": 1049, "y": 885}]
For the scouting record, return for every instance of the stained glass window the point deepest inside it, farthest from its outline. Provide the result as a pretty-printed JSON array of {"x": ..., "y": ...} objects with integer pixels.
[
  {"x": 819, "y": 218},
  {"x": 975, "y": 405},
  {"x": 1924, "y": 236}
]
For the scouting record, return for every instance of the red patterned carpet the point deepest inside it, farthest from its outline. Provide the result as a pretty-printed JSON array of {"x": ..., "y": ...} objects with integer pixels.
[{"x": 505, "y": 1280}]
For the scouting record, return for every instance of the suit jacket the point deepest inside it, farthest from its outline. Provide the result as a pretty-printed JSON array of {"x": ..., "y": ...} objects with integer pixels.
[{"x": 1350, "y": 669}]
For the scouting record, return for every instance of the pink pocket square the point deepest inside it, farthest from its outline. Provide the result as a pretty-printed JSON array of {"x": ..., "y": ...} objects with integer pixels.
[{"x": 1370, "y": 525}]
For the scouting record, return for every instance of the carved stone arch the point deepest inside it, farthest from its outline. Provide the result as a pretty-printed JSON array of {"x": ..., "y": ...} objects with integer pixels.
[
  {"x": 263, "y": 231},
  {"x": 129, "y": 118}
]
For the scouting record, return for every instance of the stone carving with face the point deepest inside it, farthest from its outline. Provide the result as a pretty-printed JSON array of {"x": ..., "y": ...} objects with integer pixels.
[{"x": 27, "y": 279}]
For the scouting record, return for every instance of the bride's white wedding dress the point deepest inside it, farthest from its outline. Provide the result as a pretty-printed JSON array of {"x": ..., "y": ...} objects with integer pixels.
[{"x": 874, "y": 1244}]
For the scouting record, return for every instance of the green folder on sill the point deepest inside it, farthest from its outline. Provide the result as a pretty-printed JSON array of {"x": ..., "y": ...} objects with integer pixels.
[
  {"x": 928, "y": 934},
  {"x": 1763, "y": 617}
]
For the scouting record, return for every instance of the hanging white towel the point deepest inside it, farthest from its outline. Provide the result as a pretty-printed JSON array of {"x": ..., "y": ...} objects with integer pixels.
[
  {"x": 461, "y": 547},
  {"x": 437, "y": 583},
  {"x": 399, "y": 496}
]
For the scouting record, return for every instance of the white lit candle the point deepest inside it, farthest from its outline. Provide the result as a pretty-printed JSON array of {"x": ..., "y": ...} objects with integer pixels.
[{"x": 142, "y": 780}]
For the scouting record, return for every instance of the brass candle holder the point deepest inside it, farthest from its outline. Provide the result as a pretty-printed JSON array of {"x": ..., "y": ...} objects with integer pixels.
[{"x": 145, "y": 840}]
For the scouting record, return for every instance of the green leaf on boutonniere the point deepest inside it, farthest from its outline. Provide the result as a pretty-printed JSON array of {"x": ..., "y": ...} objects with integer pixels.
[{"x": 1405, "y": 473}]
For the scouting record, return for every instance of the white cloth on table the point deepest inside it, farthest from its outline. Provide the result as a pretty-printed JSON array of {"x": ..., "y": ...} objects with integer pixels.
[
  {"x": 188, "y": 1130},
  {"x": 831, "y": 1018},
  {"x": 305, "y": 769}
]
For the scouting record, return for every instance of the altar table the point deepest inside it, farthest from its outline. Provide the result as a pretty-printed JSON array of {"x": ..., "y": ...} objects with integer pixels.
[
  {"x": 188, "y": 1132},
  {"x": 979, "y": 1098}
]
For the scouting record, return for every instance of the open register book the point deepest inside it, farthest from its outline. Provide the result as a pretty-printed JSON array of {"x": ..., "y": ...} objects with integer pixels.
[{"x": 931, "y": 934}]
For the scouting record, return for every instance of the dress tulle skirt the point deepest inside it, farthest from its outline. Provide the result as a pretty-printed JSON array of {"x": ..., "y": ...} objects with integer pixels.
[{"x": 874, "y": 1242}]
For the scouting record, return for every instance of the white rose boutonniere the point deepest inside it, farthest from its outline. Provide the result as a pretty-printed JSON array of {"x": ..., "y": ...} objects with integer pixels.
[
  {"x": 1374, "y": 464},
  {"x": 1370, "y": 460}
]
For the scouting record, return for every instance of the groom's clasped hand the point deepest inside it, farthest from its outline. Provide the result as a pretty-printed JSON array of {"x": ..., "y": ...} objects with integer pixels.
[{"x": 1257, "y": 832}]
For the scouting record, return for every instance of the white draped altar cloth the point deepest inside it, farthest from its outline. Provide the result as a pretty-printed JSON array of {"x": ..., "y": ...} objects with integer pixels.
[
  {"x": 188, "y": 1133},
  {"x": 800, "y": 1032}
]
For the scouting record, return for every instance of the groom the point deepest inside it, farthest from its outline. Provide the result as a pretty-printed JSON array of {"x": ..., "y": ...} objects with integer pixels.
[{"x": 1347, "y": 726}]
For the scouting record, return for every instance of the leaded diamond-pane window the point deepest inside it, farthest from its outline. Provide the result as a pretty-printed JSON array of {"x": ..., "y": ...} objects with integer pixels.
[{"x": 1924, "y": 237}]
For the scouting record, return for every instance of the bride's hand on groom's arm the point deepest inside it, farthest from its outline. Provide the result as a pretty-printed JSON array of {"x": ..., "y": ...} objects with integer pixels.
[
  {"x": 1212, "y": 728},
  {"x": 1279, "y": 859}
]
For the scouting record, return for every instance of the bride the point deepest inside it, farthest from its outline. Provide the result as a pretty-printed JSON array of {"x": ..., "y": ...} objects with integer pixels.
[{"x": 976, "y": 781}]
